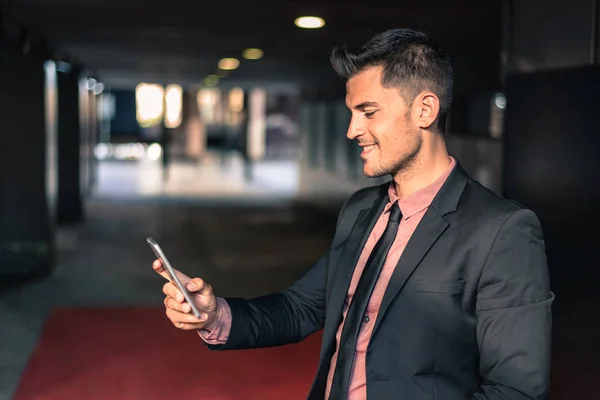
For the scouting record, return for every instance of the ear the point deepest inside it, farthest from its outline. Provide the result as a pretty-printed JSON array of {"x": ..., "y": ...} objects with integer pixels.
[{"x": 426, "y": 109}]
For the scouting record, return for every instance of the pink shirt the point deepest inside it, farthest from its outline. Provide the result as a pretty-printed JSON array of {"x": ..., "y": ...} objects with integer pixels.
[{"x": 413, "y": 208}]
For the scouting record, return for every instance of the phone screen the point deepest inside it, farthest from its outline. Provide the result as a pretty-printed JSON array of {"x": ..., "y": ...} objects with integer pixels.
[{"x": 174, "y": 279}]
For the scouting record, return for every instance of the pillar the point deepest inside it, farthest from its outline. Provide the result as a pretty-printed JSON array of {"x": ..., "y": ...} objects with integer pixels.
[
  {"x": 70, "y": 202},
  {"x": 28, "y": 163}
]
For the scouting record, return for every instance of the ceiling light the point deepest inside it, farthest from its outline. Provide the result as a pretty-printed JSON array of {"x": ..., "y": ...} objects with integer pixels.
[
  {"x": 211, "y": 80},
  {"x": 228, "y": 64},
  {"x": 99, "y": 88},
  {"x": 309, "y": 22},
  {"x": 91, "y": 82},
  {"x": 253, "y": 54}
]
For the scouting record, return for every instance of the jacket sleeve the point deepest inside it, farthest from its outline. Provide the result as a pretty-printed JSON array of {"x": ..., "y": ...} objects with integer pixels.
[
  {"x": 285, "y": 317},
  {"x": 513, "y": 312},
  {"x": 281, "y": 318}
]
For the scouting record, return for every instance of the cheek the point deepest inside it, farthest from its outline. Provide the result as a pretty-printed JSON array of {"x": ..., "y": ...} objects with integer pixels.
[
  {"x": 392, "y": 139},
  {"x": 382, "y": 131}
]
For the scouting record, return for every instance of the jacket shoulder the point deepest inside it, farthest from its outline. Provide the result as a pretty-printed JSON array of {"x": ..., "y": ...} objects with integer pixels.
[{"x": 482, "y": 203}]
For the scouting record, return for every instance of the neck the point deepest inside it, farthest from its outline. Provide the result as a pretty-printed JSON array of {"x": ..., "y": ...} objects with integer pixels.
[{"x": 429, "y": 164}]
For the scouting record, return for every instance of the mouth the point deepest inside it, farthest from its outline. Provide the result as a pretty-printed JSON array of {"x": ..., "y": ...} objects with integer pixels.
[{"x": 366, "y": 149}]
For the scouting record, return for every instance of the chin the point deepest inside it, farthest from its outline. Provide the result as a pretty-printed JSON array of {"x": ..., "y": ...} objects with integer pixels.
[{"x": 371, "y": 172}]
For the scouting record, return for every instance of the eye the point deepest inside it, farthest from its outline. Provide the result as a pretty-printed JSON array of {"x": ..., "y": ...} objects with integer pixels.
[{"x": 370, "y": 114}]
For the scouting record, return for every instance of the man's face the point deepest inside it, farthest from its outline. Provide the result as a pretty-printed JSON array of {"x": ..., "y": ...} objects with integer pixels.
[{"x": 381, "y": 125}]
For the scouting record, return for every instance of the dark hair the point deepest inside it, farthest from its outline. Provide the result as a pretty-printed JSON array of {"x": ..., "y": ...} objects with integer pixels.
[{"x": 412, "y": 61}]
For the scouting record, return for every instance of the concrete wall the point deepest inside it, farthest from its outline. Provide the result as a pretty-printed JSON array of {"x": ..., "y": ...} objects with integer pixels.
[{"x": 550, "y": 34}]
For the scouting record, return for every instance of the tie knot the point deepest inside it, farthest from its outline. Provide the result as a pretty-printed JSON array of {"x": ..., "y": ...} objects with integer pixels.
[{"x": 395, "y": 213}]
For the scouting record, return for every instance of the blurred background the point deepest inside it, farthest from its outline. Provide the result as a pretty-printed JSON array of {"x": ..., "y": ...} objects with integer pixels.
[{"x": 218, "y": 128}]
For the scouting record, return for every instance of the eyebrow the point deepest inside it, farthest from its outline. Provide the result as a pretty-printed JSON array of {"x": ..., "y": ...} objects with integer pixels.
[{"x": 365, "y": 104}]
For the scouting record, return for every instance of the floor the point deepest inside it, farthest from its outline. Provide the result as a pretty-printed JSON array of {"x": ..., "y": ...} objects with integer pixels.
[
  {"x": 245, "y": 239},
  {"x": 215, "y": 176}
]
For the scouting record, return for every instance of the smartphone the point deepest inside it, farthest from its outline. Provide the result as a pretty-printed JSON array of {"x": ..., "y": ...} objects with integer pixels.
[{"x": 163, "y": 259}]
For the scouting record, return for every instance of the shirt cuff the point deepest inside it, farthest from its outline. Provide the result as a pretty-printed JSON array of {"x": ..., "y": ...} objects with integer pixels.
[{"x": 218, "y": 332}]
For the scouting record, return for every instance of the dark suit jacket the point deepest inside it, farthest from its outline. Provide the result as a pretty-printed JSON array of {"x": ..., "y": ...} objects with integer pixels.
[{"x": 466, "y": 315}]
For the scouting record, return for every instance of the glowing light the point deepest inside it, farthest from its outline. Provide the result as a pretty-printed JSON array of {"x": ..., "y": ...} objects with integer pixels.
[
  {"x": 253, "y": 54},
  {"x": 208, "y": 101},
  {"x": 173, "y": 100},
  {"x": 229, "y": 64},
  {"x": 500, "y": 101},
  {"x": 102, "y": 151},
  {"x": 91, "y": 82},
  {"x": 154, "y": 152},
  {"x": 137, "y": 150},
  {"x": 310, "y": 22},
  {"x": 211, "y": 80},
  {"x": 208, "y": 97},
  {"x": 107, "y": 106},
  {"x": 98, "y": 88},
  {"x": 257, "y": 128},
  {"x": 236, "y": 100},
  {"x": 149, "y": 104},
  {"x": 129, "y": 151}
]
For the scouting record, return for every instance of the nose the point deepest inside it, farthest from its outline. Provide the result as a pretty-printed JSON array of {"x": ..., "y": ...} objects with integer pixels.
[{"x": 355, "y": 129}]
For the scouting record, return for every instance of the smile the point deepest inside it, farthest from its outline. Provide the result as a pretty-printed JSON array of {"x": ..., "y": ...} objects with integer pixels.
[{"x": 367, "y": 149}]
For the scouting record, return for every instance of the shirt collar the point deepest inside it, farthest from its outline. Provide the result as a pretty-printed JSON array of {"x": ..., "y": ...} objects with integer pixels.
[{"x": 420, "y": 199}]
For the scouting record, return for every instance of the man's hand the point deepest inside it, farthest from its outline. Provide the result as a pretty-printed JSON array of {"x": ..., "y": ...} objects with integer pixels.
[{"x": 179, "y": 311}]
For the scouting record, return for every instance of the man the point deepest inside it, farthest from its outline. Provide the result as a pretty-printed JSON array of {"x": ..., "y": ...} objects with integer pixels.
[{"x": 433, "y": 287}]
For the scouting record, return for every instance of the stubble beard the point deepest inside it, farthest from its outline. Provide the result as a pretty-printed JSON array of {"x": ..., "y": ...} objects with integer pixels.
[{"x": 401, "y": 166}]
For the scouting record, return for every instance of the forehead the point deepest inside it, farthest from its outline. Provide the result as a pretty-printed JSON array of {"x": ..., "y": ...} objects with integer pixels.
[{"x": 366, "y": 87}]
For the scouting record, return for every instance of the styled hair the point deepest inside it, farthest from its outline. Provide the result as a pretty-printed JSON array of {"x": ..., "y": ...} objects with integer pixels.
[{"x": 412, "y": 61}]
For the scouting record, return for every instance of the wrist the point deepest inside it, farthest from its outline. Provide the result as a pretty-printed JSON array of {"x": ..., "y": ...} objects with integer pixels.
[{"x": 213, "y": 320}]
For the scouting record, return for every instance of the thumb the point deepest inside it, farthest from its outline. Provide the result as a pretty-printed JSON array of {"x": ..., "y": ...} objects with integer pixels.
[{"x": 198, "y": 286}]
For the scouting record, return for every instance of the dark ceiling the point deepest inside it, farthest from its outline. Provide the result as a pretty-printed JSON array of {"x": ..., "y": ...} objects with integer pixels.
[{"x": 127, "y": 41}]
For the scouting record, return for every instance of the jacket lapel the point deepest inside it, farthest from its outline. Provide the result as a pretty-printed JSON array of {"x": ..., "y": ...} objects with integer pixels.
[
  {"x": 425, "y": 235},
  {"x": 365, "y": 221},
  {"x": 369, "y": 210},
  {"x": 429, "y": 229}
]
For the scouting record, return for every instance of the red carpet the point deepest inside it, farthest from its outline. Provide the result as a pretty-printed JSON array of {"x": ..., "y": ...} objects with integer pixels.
[{"x": 135, "y": 353}]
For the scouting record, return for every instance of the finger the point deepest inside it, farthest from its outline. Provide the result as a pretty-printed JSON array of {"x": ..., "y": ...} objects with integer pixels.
[
  {"x": 197, "y": 285},
  {"x": 185, "y": 327},
  {"x": 158, "y": 267},
  {"x": 173, "y": 291},
  {"x": 177, "y": 306},
  {"x": 176, "y": 317},
  {"x": 183, "y": 278}
]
